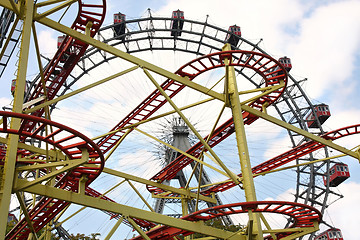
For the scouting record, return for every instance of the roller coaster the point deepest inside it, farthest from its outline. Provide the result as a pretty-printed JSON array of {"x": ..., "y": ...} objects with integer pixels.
[{"x": 50, "y": 159}]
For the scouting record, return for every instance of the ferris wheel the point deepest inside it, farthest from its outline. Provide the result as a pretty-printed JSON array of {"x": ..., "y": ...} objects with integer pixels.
[{"x": 93, "y": 115}]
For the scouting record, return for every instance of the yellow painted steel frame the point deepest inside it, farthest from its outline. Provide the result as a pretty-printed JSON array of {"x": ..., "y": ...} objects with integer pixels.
[
  {"x": 234, "y": 104},
  {"x": 25, "y": 11},
  {"x": 8, "y": 174}
]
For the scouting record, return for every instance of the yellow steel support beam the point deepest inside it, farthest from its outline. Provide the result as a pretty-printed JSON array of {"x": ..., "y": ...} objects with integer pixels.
[
  {"x": 54, "y": 154},
  {"x": 83, "y": 208},
  {"x": 139, "y": 194},
  {"x": 263, "y": 89},
  {"x": 137, "y": 228},
  {"x": 266, "y": 92},
  {"x": 153, "y": 118},
  {"x": 234, "y": 102},
  {"x": 125, "y": 210},
  {"x": 300, "y": 232},
  {"x": 26, "y": 214},
  {"x": 77, "y": 91},
  {"x": 302, "y": 132},
  {"x": 82, "y": 182},
  {"x": 117, "y": 144},
  {"x": 184, "y": 205},
  {"x": 202, "y": 152},
  {"x": 26, "y": 184},
  {"x": 8, "y": 172},
  {"x": 113, "y": 229},
  {"x": 267, "y": 225},
  {"x": 55, "y": 9},
  {"x": 137, "y": 61},
  {"x": 180, "y": 191},
  {"x": 11, "y": 5},
  {"x": 300, "y": 164},
  {"x": 47, "y": 3},
  {"x": 45, "y": 165}
]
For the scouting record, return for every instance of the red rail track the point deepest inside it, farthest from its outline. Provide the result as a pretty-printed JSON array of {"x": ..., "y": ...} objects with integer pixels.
[
  {"x": 67, "y": 55},
  {"x": 71, "y": 143},
  {"x": 301, "y": 214}
]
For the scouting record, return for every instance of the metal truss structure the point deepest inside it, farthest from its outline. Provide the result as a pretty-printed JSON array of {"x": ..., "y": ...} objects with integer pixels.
[{"x": 65, "y": 162}]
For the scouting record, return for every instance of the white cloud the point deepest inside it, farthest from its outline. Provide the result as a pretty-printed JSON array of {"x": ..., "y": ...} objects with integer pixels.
[
  {"x": 326, "y": 46},
  {"x": 5, "y": 102},
  {"x": 47, "y": 42},
  {"x": 343, "y": 212}
]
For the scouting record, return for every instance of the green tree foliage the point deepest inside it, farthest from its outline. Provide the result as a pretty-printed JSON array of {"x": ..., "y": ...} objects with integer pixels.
[{"x": 83, "y": 237}]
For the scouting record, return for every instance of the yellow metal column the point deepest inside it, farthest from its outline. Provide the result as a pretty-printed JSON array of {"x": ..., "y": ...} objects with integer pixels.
[
  {"x": 232, "y": 93},
  {"x": 8, "y": 174}
]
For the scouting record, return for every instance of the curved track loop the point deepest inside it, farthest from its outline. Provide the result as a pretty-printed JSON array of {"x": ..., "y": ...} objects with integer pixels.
[
  {"x": 268, "y": 68},
  {"x": 303, "y": 216},
  {"x": 67, "y": 55},
  {"x": 55, "y": 76},
  {"x": 68, "y": 141},
  {"x": 262, "y": 64}
]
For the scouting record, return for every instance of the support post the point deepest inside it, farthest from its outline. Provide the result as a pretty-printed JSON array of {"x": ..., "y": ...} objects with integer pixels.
[
  {"x": 235, "y": 105},
  {"x": 8, "y": 174}
]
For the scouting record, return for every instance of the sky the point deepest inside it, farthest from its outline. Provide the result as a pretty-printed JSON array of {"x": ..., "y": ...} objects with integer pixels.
[{"x": 322, "y": 38}]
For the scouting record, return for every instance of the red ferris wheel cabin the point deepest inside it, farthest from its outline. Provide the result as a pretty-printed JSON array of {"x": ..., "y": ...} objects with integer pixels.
[
  {"x": 13, "y": 86},
  {"x": 60, "y": 40},
  {"x": 286, "y": 62},
  {"x": 119, "y": 17},
  {"x": 119, "y": 25},
  {"x": 337, "y": 174},
  {"x": 177, "y": 22},
  {"x": 322, "y": 112},
  {"x": 234, "y": 35},
  {"x": 330, "y": 234}
]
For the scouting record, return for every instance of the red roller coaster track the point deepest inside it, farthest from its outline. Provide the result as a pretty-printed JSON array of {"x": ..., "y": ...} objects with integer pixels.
[
  {"x": 71, "y": 143},
  {"x": 67, "y": 55},
  {"x": 56, "y": 74},
  {"x": 302, "y": 215}
]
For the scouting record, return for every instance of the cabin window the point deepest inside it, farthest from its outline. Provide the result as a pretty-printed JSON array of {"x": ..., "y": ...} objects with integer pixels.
[
  {"x": 330, "y": 235},
  {"x": 346, "y": 169},
  {"x": 338, "y": 168},
  {"x": 339, "y": 234},
  {"x": 342, "y": 169}
]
